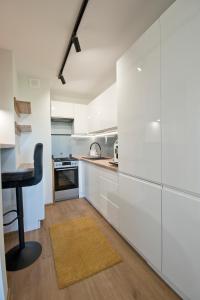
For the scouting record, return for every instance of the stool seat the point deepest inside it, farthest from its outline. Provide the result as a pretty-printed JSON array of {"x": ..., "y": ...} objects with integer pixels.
[
  {"x": 24, "y": 254},
  {"x": 16, "y": 178}
]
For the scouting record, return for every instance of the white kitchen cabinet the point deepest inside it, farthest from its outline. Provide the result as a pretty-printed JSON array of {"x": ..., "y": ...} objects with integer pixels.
[
  {"x": 102, "y": 111},
  {"x": 109, "y": 198},
  {"x": 101, "y": 190},
  {"x": 60, "y": 109},
  {"x": 181, "y": 242},
  {"x": 138, "y": 93},
  {"x": 180, "y": 65},
  {"x": 140, "y": 217},
  {"x": 80, "y": 118},
  {"x": 7, "y": 129},
  {"x": 91, "y": 184}
]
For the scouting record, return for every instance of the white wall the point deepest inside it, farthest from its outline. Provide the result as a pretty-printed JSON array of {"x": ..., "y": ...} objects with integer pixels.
[
  {"x": 3, "y": 279},
  {"x": 35, "y": 197},
  {"x": 40, "y": 120},
  {"x": 7, "y": 133}
]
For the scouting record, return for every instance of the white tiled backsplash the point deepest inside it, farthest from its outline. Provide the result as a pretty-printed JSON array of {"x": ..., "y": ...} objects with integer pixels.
[{"x": 65, "y": 145}]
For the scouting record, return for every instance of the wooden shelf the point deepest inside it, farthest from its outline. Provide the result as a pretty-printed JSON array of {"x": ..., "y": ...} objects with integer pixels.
[
  {"x": 22, "y": 128},
  {"x": 22, "y": 107}
]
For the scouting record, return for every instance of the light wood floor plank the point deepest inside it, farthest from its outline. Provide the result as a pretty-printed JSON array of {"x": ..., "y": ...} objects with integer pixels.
[{"x": 132, "y": 279}]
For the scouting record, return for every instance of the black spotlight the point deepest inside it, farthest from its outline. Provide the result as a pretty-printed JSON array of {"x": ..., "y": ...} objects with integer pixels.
[
  {"x": 61, "y": 77},
  {"x": 76, "y": 44}
]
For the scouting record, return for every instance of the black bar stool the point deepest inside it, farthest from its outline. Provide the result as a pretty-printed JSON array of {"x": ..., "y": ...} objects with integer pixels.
[{"x": 24, "y": 254}]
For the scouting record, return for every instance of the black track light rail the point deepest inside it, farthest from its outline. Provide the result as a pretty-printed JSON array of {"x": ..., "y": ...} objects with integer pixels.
[{"x": 73, "y": 39}]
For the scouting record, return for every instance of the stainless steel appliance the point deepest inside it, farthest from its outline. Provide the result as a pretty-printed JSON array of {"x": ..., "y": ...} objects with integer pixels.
[
  {"x": 66, "y": 178},
  {"x": 93, "y": 150}
]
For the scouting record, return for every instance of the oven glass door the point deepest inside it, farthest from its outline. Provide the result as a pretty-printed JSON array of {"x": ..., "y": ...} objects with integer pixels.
[{"x": 66, "y": 178}]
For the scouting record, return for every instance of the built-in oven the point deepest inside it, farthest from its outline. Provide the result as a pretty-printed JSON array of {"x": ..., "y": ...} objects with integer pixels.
[{"x": 66, "y": 180}]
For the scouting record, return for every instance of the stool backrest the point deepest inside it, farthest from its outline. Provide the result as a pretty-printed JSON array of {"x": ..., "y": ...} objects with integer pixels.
[{"x": 38, "y": 163}]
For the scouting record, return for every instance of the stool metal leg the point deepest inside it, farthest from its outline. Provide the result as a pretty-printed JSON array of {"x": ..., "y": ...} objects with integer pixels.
[
  {"x": 19, "y": 198},
  {"x": 24, "y": 254}
]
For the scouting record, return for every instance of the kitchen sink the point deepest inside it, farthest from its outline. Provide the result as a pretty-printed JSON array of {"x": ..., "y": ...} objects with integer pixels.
[{"x": 95, "y": 158}]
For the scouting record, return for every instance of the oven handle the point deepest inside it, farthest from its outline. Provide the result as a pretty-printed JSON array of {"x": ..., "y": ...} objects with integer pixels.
[{"x": 64, "y": 169}]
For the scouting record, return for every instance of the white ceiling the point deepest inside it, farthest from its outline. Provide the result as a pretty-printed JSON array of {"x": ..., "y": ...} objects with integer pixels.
[{"x": 38, "y": 32}]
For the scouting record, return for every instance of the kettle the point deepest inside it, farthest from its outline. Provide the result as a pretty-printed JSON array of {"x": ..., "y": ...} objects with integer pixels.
[{"x": 115, "y": 158}]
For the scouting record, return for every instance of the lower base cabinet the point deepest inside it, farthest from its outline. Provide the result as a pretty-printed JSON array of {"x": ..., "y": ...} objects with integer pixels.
[
  {"x": 101, "y": 189},
  {"x": 181, "y": 242},
  {"x": 154, "y": 220},
  {"x": 140, "y": 217}
]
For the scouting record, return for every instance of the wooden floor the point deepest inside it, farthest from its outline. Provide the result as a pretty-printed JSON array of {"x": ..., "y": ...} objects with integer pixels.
[{"x": 131, "y": 279}]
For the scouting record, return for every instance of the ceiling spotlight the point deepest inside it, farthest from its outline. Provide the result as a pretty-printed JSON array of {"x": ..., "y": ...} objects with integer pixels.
[
  {"x": 139, "y": 69},
  {"x": 77, "y": 46},
  {"x": 61, "y": 77}
]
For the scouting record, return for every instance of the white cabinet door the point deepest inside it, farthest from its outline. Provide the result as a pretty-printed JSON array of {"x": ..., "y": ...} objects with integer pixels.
[
  {"x": 181, "y": 241},
  {"x": 138, "y": 93},
  {"x": 109, "y": 196},
  {"x": 140, "y": 217},
  {"x": 92, "y": 116},
  {"x": 101, "y": 189},
  {"x": 102, "y": 111},
  {"x": 108, "y": 112},
  {"x": 92, "y": 184},
  {"x": 180, "y": 65},
  {"x": 80, "y": 119},
  {"x": 61, "y": 109}
]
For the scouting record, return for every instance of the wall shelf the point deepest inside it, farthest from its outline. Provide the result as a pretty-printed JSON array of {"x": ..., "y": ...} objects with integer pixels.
[
  {"x": 22, "y": 107},
  {"x": 22, "y": 128}
]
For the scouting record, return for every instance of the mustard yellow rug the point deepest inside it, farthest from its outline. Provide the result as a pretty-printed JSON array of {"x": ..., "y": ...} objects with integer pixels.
[{"x": 80, "y": 250}]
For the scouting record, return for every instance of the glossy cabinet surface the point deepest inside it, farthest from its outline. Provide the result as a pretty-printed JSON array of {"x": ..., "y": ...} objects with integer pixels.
[
  {"x": 103, "y": 111},
  {"x": 181, "y": 242},
  {"x": 91, "y": 184},
  {"x": 140, "y": 217},
  {"x": 80, "y": 118},
  {"x": 101, "y": 189},
  {"x": 180, "y": 65},
  {"x": 60, "y": 109},
  {"x": 138, "y": 95}
]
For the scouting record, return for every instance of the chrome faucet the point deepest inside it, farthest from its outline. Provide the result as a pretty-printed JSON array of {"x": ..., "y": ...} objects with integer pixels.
[{"x": 95, "y": 143}]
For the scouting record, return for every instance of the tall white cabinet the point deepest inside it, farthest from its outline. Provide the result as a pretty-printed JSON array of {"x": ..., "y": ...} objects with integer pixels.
[
  {"x": 138, "y": 94},
  {"x": 180, "y": 89},
  {"x": 180, "y": 65},
  {"x": 158, "y": 91}
]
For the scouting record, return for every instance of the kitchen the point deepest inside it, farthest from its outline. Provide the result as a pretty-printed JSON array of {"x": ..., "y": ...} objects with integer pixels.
[{"x": 110, "y": 207}]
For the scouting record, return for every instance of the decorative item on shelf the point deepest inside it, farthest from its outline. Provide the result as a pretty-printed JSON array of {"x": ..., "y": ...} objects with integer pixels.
[
  {"x": 22, "y": 107},
  {"x": 22, "y": 128}
]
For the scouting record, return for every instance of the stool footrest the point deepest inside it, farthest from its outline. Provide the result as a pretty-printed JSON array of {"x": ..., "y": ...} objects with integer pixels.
[
  {"x": 6, "y": 224},
  {"x": 8, "y": 212}
]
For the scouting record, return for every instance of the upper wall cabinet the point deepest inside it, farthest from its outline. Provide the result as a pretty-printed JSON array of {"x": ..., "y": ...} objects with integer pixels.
[
  {"x": 67, "y": 110},
  {"x": 102, "y": 111},
  {"x": 80, "y": 118},
  {"x": 138, "y": 93},
  {"x": 180, "y": 58},
  {"x": 61, "y": 109},
  {"x": 7, "y": 129}
]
